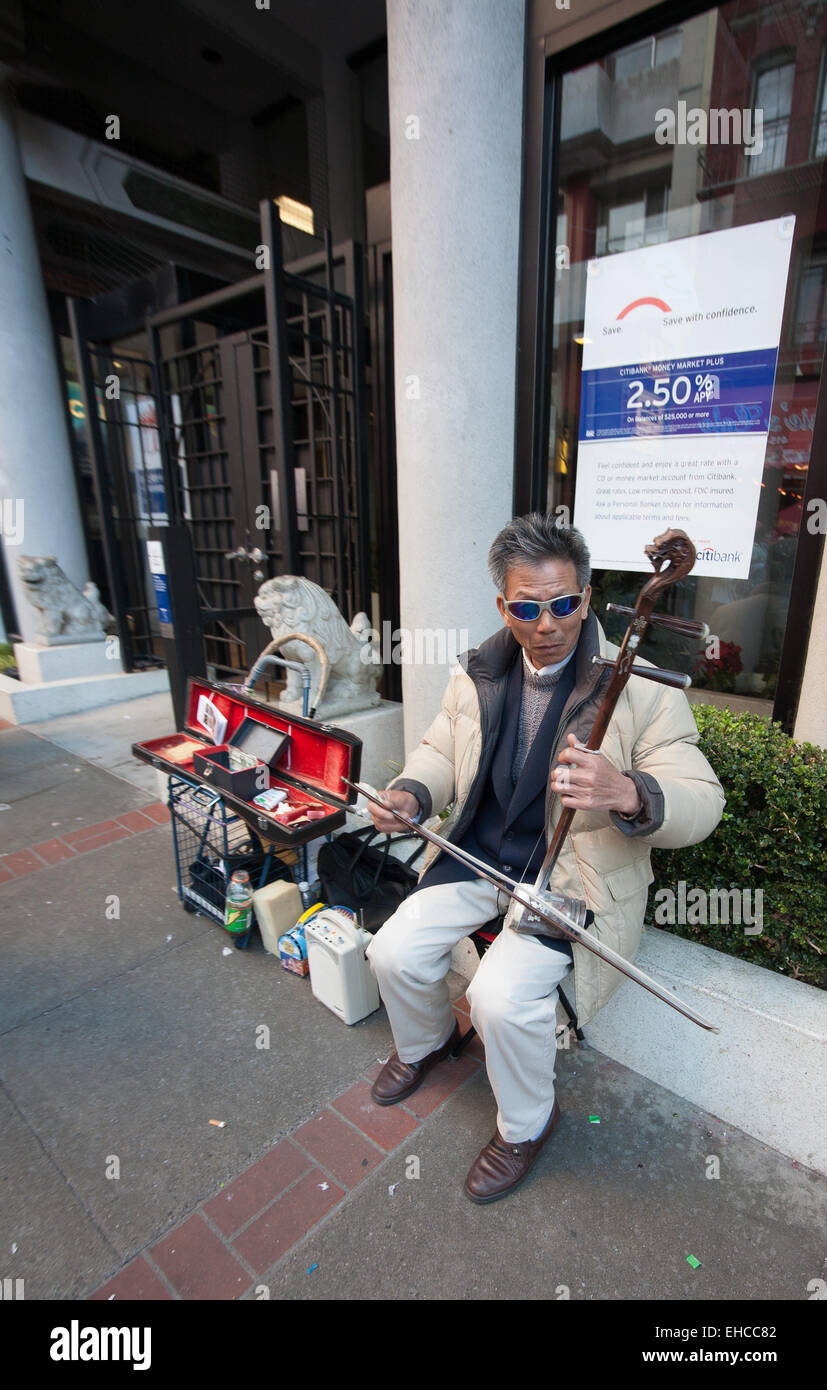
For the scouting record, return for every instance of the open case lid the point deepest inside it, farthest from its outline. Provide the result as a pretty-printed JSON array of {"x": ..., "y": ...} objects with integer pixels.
[
  {"x": 260, "y": 740},
  {"x": 317, "y": 755}
]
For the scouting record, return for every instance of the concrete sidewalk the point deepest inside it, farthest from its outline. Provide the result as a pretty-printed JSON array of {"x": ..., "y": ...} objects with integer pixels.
[{"x": 121, "y": 1039}]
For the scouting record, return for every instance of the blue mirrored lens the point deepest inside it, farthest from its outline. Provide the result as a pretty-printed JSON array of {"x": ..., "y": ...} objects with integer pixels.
[
  {"x": 562, "y": 607},
  {"x": 524, "y": 611}
]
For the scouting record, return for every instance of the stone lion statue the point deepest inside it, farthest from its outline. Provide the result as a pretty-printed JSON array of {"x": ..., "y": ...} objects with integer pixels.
[
  {"x": 64, "y": 613},
  {"x": 290, "y": 603}
]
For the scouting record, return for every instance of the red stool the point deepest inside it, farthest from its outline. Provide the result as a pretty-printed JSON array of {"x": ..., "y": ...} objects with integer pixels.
[{"x": 482, "y": 939}]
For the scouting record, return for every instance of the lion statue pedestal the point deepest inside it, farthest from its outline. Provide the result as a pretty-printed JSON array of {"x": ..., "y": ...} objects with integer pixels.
[
  {"x": 64, "y": 614},
  {"x": 74, "y": 631},
  {"x": 290, "y": 603},
  {"x": 74, "y": 663}
]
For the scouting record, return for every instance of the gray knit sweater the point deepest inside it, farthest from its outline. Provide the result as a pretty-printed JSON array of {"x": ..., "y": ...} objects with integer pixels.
[{"x": 537, "y": 693}]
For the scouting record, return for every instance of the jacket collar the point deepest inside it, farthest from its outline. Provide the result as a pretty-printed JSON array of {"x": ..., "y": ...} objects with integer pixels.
[{"x": 492, "y": 659}]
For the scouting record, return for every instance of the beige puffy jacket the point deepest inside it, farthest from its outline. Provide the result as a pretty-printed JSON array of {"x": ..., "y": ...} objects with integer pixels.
[{"x": 652, "y": 731}]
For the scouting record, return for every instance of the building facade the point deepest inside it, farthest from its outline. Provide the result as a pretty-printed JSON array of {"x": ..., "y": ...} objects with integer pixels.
[
  {"x": 584, "y": 100},
  {"x": 483, "y": 157}
]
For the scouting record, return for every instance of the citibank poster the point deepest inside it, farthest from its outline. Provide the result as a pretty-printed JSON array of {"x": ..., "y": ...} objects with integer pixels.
[{"x": 679, "y": 356}]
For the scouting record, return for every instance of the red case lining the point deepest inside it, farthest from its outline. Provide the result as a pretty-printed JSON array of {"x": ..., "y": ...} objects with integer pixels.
[
  {"x": 314, "y": 756},
  {"x": 310, "y": 755},
  {"x": 160, "y": 746}
]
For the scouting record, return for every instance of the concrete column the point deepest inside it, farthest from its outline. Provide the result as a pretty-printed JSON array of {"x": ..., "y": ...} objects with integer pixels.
[
  {"x": 456, "y": 106},
  {"x": 35, "y": 457}
]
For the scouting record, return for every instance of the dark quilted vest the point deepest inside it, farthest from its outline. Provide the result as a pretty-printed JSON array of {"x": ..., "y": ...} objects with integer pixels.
[{"x": 508, "y": 828}]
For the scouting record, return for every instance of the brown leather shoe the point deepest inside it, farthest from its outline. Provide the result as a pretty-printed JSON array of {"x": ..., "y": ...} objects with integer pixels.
[
  {"x": 398, "y": 1079},
  {"x": 500, "y": 1166}
]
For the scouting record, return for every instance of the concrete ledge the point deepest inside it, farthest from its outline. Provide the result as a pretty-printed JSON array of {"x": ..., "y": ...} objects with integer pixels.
[
  {"x": 381, "y": 732},
  {"x": 29, "y": 704},
  {"x": 764, "y": 1072},
  {"x": 38, "y": 664}
]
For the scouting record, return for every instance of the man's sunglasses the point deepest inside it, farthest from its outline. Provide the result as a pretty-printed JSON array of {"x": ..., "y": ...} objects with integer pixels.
[{"x": 528, "y": 610}]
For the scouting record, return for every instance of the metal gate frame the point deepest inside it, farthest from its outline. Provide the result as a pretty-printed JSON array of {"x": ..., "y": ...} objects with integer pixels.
[
  {"x": 351, "y": 584},
  {"x": 122, "y": 488}
]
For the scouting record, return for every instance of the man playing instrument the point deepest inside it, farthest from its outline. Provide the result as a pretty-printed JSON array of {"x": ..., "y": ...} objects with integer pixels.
[{"x": 519, "y": 706}]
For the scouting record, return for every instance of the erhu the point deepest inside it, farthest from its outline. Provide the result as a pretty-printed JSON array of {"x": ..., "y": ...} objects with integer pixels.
[{"x": 536, "y": 908}]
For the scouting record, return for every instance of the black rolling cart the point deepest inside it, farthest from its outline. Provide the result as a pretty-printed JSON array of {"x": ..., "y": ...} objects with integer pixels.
[{"x": 211, "y": 843}]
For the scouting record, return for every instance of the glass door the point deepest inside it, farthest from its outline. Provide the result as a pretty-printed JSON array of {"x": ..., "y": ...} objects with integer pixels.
[{"x": 714, "y": 126}]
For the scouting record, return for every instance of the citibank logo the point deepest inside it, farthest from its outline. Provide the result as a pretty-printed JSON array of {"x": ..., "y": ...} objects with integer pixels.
[
  {"x": 639, "y": 303},
  {"x": 705, "y": 550}
]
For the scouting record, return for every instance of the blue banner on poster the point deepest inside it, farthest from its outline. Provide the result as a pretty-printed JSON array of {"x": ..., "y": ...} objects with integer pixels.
[
  {"x": 724, "y": 393},
  {"x": 162, "y": 598},
  {"x": 155, "y": 557}
]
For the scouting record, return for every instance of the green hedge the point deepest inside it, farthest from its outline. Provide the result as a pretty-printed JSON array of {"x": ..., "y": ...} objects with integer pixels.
[{"x": 772, "y": 836}]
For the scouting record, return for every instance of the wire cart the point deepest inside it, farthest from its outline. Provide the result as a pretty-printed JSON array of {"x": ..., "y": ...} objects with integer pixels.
[{"x": 210, "y": 845}]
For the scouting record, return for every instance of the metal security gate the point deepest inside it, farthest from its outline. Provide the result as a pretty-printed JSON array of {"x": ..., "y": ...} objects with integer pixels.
[
  {"x": 207, "y": 462},
  {"x": 263, "y": 440},
  {"x": 124, "y": 480}
]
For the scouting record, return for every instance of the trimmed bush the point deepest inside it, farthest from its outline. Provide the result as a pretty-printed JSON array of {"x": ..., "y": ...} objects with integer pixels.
[{"x": 772, "y": 836}]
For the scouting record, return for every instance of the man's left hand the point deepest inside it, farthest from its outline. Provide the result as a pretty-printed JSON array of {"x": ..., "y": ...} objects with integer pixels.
[{"x": 587, "y": 781}]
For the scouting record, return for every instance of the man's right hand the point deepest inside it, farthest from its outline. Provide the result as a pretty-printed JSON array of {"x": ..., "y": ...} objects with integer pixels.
[{"x": 398, "y": 800}]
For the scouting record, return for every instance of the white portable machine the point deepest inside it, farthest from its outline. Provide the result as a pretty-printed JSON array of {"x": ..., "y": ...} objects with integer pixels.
[{"x": 340, "y": 975}]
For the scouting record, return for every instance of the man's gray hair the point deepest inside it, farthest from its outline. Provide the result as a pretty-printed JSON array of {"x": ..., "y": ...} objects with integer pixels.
[{"x": 531, "y": 539}]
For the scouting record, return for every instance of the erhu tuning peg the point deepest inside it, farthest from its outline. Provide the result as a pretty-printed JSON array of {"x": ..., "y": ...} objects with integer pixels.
[
  {"x": 686, "y": 626},
  {"x": 651, "y": 673}
]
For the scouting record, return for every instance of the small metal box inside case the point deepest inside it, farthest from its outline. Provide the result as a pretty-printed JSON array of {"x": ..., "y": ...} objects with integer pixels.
[{"x": 243, "y": 765}]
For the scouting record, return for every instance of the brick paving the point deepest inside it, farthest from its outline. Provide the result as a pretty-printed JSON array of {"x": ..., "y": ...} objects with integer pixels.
[
  {"x": 236, "y": 1238},
  {"x": 89, "y": 837}
]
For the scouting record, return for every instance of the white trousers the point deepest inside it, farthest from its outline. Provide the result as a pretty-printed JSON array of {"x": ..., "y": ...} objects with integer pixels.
[{"x": 513, "y": 995}]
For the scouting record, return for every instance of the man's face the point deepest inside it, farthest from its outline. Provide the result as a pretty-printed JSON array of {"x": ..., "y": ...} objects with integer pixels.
[{"x": 549, "y": 639}]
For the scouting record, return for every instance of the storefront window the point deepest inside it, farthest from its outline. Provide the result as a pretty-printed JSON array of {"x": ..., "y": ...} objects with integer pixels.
[
  {"x": 820, "y": 133},
  {"x": 745, "y": 86}
]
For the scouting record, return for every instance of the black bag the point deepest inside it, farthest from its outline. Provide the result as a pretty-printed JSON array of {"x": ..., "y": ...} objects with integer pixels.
[{"x": 364, "y": 877}]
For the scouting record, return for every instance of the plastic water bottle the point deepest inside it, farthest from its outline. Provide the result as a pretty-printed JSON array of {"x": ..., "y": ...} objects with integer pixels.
[
  {"x": 308, "y": 897},
  {"x": 238, "y": 906}
]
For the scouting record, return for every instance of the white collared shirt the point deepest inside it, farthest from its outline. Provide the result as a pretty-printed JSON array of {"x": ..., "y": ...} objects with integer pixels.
[{"x": 546, "y": 670}]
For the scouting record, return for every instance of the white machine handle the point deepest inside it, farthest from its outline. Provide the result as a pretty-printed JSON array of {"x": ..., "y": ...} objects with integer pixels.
[{"x": 336, "y": 920}]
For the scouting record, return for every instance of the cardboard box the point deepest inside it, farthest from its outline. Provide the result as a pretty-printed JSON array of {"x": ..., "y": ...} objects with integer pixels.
[{"x": 293, "y": 952}]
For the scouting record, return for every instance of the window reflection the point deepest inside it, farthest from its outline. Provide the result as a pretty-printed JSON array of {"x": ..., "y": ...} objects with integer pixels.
[
  {"x": 773, "y": 97},
  {"x": 757, "y": 76}
]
